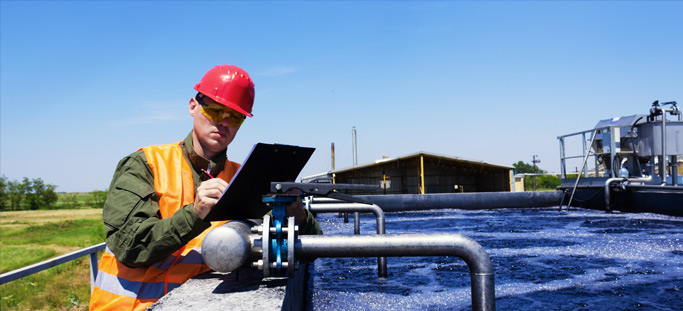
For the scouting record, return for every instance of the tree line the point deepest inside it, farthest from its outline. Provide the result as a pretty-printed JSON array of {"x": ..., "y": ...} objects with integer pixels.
[
  {"x": 34, "y": 194},
  {"x": 542, "y": 181}
]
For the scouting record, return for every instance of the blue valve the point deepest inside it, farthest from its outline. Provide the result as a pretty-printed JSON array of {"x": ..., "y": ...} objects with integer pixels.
[{"x": 278, "y": 242}]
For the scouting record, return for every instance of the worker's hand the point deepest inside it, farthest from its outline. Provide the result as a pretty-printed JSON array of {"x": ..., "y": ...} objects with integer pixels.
[
  {"x": 207, "y": 195},
  {"x": 296, "y": 209}
]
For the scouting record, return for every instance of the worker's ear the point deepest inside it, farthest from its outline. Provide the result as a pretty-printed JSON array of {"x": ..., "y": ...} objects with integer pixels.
[{"x": 193, "y": 106}]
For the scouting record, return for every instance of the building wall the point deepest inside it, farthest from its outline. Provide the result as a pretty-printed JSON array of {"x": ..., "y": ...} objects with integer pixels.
[{"x": 440, "y": 176}]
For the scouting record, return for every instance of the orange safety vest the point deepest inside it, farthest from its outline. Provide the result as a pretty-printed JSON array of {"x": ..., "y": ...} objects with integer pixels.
[{"x": 119, "y": 287}]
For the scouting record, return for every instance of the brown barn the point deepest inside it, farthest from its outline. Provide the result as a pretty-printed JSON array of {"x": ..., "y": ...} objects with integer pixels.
[{"x": 422, "y": 173}]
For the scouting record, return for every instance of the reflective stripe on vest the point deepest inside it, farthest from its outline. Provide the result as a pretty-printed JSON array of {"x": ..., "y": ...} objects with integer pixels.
[
  {"x": 134, "y": 289},
  {"x": 119, "y": 287}
]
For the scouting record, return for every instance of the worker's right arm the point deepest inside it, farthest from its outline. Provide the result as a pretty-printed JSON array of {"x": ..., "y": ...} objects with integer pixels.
[{"x": 135, "y": 232}]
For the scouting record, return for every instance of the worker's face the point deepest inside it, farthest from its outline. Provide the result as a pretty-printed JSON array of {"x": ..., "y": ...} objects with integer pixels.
[{"x": 211, "y": 135}]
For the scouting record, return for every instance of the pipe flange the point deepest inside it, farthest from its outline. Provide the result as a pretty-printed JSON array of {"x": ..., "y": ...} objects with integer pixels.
[
  {"x": 291, "y": 238},
  {"x": 265, "y": 245}
]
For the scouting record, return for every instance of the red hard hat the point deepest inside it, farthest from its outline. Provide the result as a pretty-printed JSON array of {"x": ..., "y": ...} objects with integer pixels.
[{"x": 230, "y": 86}]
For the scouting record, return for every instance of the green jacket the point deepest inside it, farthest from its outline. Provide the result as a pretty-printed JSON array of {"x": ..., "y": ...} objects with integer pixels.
[{"x": 136, "y": 234}]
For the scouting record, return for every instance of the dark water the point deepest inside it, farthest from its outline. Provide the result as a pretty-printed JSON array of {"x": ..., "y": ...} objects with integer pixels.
[{"x": 543, "y": 260}]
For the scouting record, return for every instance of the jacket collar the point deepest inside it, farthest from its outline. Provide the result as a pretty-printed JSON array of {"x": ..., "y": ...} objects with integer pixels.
[{"x": 214, "y": 165}]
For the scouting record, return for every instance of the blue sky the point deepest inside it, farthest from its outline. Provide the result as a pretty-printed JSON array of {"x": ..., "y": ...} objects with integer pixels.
[{"x": 83, "y": 84}]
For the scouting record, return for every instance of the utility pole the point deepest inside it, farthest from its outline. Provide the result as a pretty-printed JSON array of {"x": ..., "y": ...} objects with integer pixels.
[
  {"x": 332, "y": 170},
  {"x": 355, "y": 149},
  {"x": 534, "y": 161},
  {"x": 333, "y": 157}
]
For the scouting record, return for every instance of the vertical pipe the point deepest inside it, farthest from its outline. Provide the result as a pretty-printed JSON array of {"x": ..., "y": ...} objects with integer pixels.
[
  {"x": 663, "y": 169},
  {"x": 93, "y": 270},
  {"x": 356, "y": 216},
  {"x": 333, "y": 206},
  {"x": 563, "y": 171},
  {"x": 597, "y": 156},
  {"x": 674, "y": 170},
  {"x": 612, "y": 147},
  {"x": 355, "y": 149},
  {"x": 398, "y": 245},
  {"x": 332, "y": 157},
  {"x": 333, "y": 174},
  {"x": 583, "y": 141},
  {"x": 422, "y": 175}
]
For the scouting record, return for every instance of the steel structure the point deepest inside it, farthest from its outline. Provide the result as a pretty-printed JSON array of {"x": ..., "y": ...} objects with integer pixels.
[
  {"x": 635, "y": 163},
  {"x": 219, "y": 248}
]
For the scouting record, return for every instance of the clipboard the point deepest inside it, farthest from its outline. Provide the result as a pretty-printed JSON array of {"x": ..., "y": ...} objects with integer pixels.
[{"x": 264, "y": 164}]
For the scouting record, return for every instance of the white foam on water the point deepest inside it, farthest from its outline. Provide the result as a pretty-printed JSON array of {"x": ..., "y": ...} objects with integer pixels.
[{"x": 544, "y": 260}]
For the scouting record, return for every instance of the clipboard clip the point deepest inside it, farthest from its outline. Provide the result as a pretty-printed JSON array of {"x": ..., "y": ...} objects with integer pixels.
[{"x": 324, "y": 190}]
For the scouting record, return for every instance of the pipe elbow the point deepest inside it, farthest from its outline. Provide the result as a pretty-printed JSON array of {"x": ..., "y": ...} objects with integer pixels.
[{"x": 475, "y": 256}]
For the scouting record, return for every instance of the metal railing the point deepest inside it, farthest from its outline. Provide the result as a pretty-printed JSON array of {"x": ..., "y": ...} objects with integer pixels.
[
  {"x": 53, "y": 262},
  {"x": 586, "y": 153},
  {"x": 326, "y": 205}
]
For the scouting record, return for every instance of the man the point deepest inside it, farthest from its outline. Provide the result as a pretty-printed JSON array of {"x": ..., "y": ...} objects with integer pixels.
[{"x": 160, "y": 195}]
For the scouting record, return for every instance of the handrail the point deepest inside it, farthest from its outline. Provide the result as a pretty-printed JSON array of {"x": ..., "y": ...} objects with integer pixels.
[
  {"x": 564, "y": 157},
  {"x": 583, "y": 166},
  {"x": 414, "y": 245},
  {"x": 340, "y": 206},
  {"x": 216, "y": 251},
  {"x": 53, "y": 262},
  {"x": 328, "y": 205}
]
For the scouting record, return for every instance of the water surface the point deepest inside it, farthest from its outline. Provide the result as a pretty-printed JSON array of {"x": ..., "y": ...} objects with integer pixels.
[{"x": 543, "y": 260}]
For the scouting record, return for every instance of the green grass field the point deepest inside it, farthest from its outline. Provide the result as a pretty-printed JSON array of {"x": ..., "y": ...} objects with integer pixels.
[
  {"x": 73, "y": 200},
  {"x": 28, "y": 237}
]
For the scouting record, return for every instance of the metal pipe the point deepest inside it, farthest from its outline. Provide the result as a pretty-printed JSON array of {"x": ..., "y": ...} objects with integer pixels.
[
  {"x": 355, "y": 149},
  {"x": 356, "y": 215},
  {"x": 663, "y": 168},
  {"x": 563, "y": 161},
  {"x": 612, "y": 150},
  {"x": 332, "y": 170},
  {"x": 611, "y": 180},
  {"x": 93, "y": 270},
  {"x": 583, "y": 166},
  {"x": 90, "y": 251},
  {"x": 229, "y": 246},
  {"x": 324, "y": 200},
  {"x": 674, "y": 170},
  {"x": 352, "y": 207},
  {"x": 357, "y": 207},
  {"x": 478, "y": 261},
  {"x": 472, "y": 200},
  {"x": 663, "y": 165}
]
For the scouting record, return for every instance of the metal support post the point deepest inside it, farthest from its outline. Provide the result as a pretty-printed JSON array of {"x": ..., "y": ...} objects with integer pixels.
[
  {"x": 332, "y": 207},
  {"x": 399, "y": 245}
]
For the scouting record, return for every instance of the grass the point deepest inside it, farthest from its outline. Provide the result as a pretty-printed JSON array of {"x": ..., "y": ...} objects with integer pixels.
[
  {"x": 15, "y": 257},
  {"x": 64, "y": 287},
  {"x": 80, "y": 233},
  {"x": 28, "y": 237},
  {"x": 73, "y": 200}
]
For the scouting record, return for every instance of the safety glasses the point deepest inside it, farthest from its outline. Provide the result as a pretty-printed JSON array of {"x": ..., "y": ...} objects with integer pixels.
[{"x": 217, "y": 112}]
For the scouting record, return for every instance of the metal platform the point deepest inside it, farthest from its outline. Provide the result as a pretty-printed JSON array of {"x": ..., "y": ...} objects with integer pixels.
[{"x": 244, "y": 289}]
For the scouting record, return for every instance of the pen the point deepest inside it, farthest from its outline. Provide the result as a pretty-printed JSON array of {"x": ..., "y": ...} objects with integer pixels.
[{"x": 207, "y": 173}]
